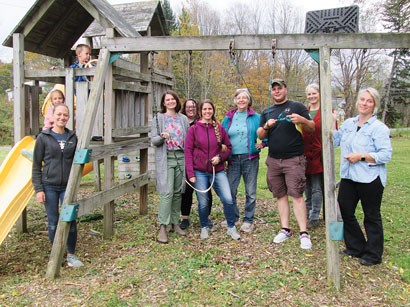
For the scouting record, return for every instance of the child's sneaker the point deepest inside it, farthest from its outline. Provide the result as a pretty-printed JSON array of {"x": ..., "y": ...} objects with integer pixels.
[
  {"x": 305, "y": 241},
  {"x": 73, "y": 261},
  {"x": 233, "y": 233},
  {"x": 282, "y": 236}
]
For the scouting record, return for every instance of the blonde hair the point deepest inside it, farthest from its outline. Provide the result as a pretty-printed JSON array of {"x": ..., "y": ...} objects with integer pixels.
[
  {"x": 58, "y": 92},
  {"x": 375, "y": 95},
  {"x": 315, "y": 86}
]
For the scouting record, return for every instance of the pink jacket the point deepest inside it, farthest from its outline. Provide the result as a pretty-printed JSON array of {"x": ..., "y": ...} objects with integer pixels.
[
  {"x": 201, "y": 146},
  {"x": 48, "y": 119}
]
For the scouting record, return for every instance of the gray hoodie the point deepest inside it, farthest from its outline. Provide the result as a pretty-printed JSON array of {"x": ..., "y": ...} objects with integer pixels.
[{"x": 51, "y": 165}]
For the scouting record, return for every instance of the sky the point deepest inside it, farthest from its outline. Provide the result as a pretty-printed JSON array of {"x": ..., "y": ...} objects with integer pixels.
[{"x": 11, "y": 12}]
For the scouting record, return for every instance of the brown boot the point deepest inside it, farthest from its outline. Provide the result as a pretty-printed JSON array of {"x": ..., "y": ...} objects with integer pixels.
[
  {"x": 178, "y": 230},
  {"x": 162, "y": 234}
]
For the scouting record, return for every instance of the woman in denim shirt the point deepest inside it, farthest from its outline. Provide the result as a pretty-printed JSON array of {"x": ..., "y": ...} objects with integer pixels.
[{"x": 365, "y": 150}]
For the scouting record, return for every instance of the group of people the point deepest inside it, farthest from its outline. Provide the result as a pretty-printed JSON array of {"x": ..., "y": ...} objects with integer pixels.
[
  {"x": 195, "y": 152},
  {"x": 194, "y": 146}
]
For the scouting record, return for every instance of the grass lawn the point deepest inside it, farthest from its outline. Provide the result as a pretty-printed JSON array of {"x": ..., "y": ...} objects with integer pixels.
[{"x": 132, "y": 269}]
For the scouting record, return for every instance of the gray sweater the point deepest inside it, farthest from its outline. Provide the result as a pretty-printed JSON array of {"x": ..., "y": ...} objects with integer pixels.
[{"x": 161, "y": 151}]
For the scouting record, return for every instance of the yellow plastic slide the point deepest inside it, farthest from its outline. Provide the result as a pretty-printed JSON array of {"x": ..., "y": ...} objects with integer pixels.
[{"x": 15, "y": 184}]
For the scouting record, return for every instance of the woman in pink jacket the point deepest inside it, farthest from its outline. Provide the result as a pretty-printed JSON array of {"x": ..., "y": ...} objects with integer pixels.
[{"x": 207, "y": 147}]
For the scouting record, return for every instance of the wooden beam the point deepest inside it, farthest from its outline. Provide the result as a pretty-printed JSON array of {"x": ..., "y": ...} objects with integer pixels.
[
  {"x": 332, "y": 247},
  {"x": 60, "y": 240},
  {"x": 35, "y": 108},
  {"x": 97, "y": 200},
  {"x": 114, "y": 149},
  {"x": 18, "y": 86},
  {"x": 144, "y": 152},
  {"x": 259, "y": 42},
  {"x": 121, "y": 63},
  {"x": 118, "y": 132},
  {"x": 37, "y": 16},
  {"x": 58, "y": 72},
  {"x": 124, "y": 72},
  {"x": 90, "y": 8},
  {"x": 19, "y": 106},
  {"x": 109, "y": 119},
  {"x": 69, "y": 96},
  {"x": 132, "y": 87}
]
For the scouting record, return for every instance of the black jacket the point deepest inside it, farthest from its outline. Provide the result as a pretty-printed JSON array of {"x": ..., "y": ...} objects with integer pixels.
[{"x": 51, "y": 166}]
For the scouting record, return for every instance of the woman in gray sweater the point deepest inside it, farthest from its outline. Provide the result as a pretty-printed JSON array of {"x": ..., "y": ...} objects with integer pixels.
[{"x": 168, "y": 134}]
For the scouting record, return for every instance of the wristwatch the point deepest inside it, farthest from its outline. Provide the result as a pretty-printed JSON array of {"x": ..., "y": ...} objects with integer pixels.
[{"x": 363, "y": 158}]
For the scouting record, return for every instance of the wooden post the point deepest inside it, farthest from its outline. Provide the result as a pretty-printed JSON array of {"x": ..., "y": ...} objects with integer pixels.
[
  {"x": 19, "y": 104},
  {"x": 35, "y": 108},
  {"x": 333, "y": 258},
  {"x": 57, "y": 251},
  {"x": 109, "y": 119},
  {"x": 144, "y": 152},
  {"x": 69, "y": 96}
]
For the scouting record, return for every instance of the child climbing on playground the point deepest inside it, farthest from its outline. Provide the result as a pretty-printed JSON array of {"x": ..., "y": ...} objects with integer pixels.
[
  {"x": 56, "y": 97},
  {"x": 82, "y": 52}
]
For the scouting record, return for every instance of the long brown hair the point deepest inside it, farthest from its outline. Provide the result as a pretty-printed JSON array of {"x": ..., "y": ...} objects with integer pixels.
[
  {"x": 173, "y": 94},
  {"x": 214, "y": 123}
]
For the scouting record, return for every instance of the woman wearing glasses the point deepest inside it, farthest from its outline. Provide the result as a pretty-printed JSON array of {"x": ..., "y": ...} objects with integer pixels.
[{"x": 241, "y": 124}]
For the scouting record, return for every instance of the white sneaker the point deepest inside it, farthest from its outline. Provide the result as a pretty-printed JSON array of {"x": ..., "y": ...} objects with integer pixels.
[
  {"x": 204, "y": 233},
  {"x": 73, "y": 261},
  {"x": 225, "y": 223},
  {"x": 282, "y": 236},
  {"x": 247, "y": 227},
  {"x": 233, "y": 233},
  {"x": 305, "y": 241}
]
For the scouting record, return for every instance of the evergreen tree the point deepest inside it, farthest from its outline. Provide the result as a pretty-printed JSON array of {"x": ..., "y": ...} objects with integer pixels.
[
  {"x": 169, "y": 15},
  {"x": 396, "y": 15}
]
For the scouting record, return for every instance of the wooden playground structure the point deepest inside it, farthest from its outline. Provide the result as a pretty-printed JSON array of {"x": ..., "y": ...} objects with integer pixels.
[{"x": 126, "y": 92}]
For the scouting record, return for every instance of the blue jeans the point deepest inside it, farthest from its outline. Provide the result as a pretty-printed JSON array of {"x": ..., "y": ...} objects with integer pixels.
[
  {"x": 242, "y": 166},
  {"x": 314, "y": 195},
  {"x": 55, "y": 195},
  {"x": 221, "y": 188}
]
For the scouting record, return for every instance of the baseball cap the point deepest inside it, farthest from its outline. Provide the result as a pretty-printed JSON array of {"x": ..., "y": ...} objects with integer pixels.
[{"x": 278, "y": 81}]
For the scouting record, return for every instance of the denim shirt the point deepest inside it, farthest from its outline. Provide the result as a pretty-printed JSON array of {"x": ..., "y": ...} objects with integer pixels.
[{"x": 373, "y": 139}]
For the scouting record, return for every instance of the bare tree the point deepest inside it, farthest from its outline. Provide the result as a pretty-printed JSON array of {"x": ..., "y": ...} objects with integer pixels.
[{"x": 358, "y": 68}]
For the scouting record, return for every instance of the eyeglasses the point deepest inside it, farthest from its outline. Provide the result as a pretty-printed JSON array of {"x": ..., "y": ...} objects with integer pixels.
[{"x": 191, "y": 108}]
